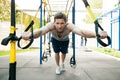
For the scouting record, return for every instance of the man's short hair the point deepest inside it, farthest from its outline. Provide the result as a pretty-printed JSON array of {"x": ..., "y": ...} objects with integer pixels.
[{"x": 60, "y": 15}]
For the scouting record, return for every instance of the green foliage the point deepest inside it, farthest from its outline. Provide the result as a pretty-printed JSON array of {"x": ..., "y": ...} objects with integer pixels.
[
  {"x": 117, "y": 4},
  {"x": 3, "y": 53},
  {"x": 26, "y": 19},
  {"x": 108, "y": 51},
  {"x": 4, "y": 10},
  {"x": 18, "y": 17},
  {"x": 21, "y": 17}
]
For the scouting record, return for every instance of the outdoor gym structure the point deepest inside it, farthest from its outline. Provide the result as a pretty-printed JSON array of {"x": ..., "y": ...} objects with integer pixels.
[{"x": 12, "y": 38}]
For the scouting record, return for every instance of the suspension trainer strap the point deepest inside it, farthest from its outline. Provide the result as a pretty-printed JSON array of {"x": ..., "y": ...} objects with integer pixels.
[
  {"x": 97, "y": 25},
  {"x": 45, "y": 57},
  {"x": 73, "y": 59},
  {"x": 31, "y": 38},
  {"x": 29, "y": 27},
  {"x": 72, "y": 62}
]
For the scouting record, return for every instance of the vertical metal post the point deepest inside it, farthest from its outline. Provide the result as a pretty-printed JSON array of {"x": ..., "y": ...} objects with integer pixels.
[
  {"x": 41, "y": 36},
  {"x": 111, "y": 29},
  {"x": 12, "y": 68},
  {"x": 119, "y": 30},
  {"x": 73, "y": 35}
]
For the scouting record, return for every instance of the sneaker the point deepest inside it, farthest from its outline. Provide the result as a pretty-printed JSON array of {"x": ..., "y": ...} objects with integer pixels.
[
  {"x": 63, "y": 67},
  {"x": 58, "y": 71}
]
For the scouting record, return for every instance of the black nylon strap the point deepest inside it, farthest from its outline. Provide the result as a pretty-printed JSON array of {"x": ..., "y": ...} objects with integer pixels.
[
  {"x": 97, "y": 25},
  {"x": 86, "y": 3},
  {"x": 45, "y": 57},
  {"x": 31, "y": 38},
  {"x": 72, "y": 61}
]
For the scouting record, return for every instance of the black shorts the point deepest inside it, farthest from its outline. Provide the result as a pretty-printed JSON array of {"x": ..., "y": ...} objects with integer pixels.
[{"x": 60, "y": 46}]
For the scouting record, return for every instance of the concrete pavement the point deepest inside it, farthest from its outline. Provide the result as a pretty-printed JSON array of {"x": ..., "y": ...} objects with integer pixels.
[{"x": 91, "y": 65}]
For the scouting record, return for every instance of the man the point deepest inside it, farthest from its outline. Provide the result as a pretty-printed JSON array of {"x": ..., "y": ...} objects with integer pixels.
[{"x": 60, "y": 29}]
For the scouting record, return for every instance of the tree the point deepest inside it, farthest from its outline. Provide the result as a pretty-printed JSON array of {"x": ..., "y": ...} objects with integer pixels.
[{"x": 4, "y": 10}]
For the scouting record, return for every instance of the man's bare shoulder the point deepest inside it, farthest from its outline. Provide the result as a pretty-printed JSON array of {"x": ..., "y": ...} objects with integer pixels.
[
  {"x": 50, "y": 25},
  {"x": 70, "y": 26}
]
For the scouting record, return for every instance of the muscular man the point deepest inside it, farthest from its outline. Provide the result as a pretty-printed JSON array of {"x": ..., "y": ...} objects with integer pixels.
[{"x": 60, "y": 30}]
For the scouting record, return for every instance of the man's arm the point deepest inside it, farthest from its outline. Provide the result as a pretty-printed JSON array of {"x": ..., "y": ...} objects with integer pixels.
[
  {"x": 86, "y": 33},
  {"x": 39, "y": 32}
]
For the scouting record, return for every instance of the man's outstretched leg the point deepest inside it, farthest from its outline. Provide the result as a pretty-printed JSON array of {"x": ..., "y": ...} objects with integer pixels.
[
  {"x": 57, "y": 59},
  {"x": 64, "y": 51},
  {"x": 63, "y": 56}
]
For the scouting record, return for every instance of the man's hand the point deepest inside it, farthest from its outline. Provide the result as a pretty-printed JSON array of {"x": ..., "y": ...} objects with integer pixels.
[
  {"x": 103, "y": 34},
  {"x": 26, "y": 35}
]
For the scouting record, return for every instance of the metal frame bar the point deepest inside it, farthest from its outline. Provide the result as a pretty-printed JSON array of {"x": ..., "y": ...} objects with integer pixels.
[{"x": 41, "y": 36}]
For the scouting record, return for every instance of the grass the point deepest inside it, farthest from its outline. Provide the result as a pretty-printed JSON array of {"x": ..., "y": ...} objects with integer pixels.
[
  {"x": 4, "y": 53},
  {"x": 108, "y": 51}
]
